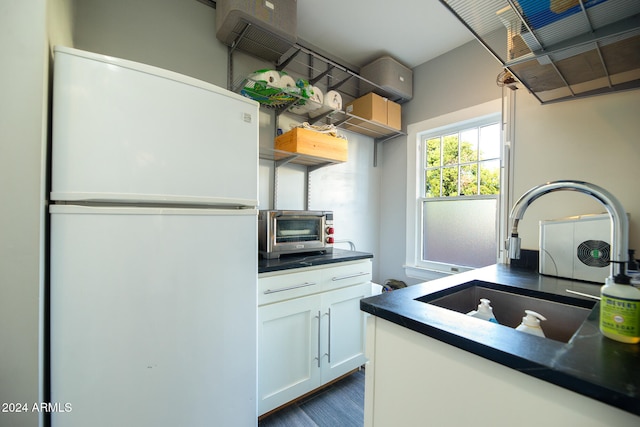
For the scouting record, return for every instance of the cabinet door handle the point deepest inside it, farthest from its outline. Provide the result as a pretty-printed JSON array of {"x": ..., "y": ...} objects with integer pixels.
[
  {"x": 319, "y": 318},
  {"x": 288, "y": 288},
  {"x": 329, "y": 337},
  {"x": 349, "y": 276}
]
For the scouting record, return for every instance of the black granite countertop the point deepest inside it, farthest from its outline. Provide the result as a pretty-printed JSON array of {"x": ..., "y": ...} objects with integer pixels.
[
  {"x": 589, "y": 364},
  {"x": 286, "y": 262}
]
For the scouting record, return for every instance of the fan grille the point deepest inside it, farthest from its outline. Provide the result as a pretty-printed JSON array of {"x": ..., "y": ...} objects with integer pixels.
[{"x": 594, "y": 253}]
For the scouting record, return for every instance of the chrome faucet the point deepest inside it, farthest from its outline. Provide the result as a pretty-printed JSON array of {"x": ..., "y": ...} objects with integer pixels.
[{"x": 619, "y": 220}]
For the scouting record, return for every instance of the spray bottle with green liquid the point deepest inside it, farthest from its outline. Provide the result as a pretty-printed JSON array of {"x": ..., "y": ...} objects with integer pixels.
[{"x": 620, "y": 309}]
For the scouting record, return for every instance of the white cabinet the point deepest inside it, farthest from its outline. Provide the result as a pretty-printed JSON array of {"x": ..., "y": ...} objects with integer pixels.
[
  {"x": 342, "y": 346},
  {"x": 412, "y": 379},
  {"x": 310, "y": 328},
  {"x": 287, "y": 350}
]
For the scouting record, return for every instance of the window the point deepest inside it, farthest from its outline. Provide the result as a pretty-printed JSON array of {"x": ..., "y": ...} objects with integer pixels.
[
  {"x": 461, "y": 170},
  {"x": 457, "y": 180}
]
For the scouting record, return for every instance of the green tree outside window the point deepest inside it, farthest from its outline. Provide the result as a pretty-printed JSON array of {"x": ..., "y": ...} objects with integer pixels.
[{"x": 455, "y": 166}]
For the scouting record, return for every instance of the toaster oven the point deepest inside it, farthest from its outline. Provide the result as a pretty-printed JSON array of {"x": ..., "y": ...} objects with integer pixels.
[{"x": 294, "y": 231}]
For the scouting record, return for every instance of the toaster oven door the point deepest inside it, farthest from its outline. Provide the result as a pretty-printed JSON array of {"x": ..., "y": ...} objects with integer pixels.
[{"x": 298, "y": 229}]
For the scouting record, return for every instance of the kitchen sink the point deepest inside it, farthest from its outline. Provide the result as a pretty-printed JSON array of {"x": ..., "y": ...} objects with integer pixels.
[{"x": 564, "y": 314}]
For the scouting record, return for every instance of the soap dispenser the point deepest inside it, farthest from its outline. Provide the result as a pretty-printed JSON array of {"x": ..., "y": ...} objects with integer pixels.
[
  {"x": 531, "y": 323},
  {"x": 484, "y": 311},
  {"x": 620, "y": 310}
]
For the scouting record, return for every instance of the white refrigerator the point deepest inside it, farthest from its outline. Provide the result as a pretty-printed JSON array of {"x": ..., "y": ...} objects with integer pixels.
[{"x": 153, "y": 252}]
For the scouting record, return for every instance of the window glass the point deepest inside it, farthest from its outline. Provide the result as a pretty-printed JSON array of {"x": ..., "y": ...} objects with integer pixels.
[
  {"x": 461, "y": 232},
  {"x": 458, "y": 205},
  {"x": 490, "y": 141}
]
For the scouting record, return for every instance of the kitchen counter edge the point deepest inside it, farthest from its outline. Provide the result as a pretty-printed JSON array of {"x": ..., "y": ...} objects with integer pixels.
[
  {"x": 589, "y": 364},
  {"x": 288, "y": 262}
]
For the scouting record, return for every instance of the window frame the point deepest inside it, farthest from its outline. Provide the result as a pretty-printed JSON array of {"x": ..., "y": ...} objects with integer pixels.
[{"x": 489, "y": 112}]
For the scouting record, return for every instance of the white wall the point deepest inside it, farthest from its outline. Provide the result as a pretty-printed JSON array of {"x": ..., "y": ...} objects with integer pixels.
[
  {"x": 594, "y": 140},
  {"x": 352, "y": 191},
  {"x": 458, "y": 79},
  {"x": 27, "y": 28},
  {"x": 59, "y": 23},
  {"x": 172, "y": 34}
]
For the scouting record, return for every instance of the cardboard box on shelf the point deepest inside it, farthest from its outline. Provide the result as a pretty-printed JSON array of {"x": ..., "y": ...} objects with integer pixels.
[
  {"x": 394, "y": 115},
  {"x": 370, "y": 107},
  {"x": 377, "y": 109}
]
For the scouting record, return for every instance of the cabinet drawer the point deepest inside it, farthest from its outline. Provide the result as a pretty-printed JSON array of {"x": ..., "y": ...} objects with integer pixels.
[
  {"x": 346, "y": 274},
  {"x": 280, "y": 287}
]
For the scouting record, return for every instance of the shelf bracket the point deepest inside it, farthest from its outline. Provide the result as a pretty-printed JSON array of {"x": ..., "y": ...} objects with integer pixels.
[
  {"x": 376, "y": 142},
  {"x": 281, "y": 66},
  {"x": 286, "y": 160},
  {"x": 318, "y": 166},
  {"x": 340, "y": 122},
  {"x": 321, "y": 75},
  {"x": 230, "y": 51},
  {"x": 282, "y": 109},
  {"x": 320, "y": 117},
  {"x": 340, "y": 83}
]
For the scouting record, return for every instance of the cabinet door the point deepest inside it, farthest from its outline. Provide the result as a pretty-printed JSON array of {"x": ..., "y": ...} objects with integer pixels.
[
  {"x": 288, "y": 351},
  {"x": 343, "y": 329}
]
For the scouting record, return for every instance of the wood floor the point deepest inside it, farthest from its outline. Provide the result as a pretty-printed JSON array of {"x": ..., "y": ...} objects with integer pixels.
[{"x": 339, "y": 405}]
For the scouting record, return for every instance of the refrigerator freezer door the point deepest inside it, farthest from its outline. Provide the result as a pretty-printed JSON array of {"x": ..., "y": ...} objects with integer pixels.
[
  {"x": 126, "y": 132},
  {"x": 153, "y": 316}
]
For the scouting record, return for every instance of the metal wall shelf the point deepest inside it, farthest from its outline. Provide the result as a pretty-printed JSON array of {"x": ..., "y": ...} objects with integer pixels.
[
  {"x": 282, "y": 158},
  {"x": 561, "y": 49},
  {"x": 302, "y": 62}
]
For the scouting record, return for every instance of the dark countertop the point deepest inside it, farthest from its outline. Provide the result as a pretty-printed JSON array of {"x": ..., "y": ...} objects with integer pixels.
[
  {"x": 589, "y": 364},
  {"x": 286, "y": 262}
]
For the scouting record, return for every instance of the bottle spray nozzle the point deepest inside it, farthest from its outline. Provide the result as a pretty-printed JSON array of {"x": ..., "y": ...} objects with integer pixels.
[{"x": 532, "y": 318}]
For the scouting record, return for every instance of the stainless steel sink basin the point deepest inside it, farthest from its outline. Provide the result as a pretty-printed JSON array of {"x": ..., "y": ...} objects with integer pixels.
[{"x": 564, "y": 314}]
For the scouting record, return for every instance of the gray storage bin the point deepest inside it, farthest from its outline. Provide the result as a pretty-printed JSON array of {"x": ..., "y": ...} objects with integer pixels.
[
  {"x": 393, "y": 77},
  {"x": 268, "y": 17}
]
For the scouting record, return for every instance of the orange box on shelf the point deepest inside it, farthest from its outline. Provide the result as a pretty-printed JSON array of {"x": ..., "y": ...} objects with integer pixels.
[
  {"x": 377, "y": 109},
  {"x": 312, "y": 143}
]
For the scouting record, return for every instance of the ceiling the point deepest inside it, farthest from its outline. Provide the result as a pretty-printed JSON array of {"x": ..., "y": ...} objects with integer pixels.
[
  {"x": 356, "y": 32},
  {"x": 602, "y": 38},
  {"x": 360, "y": 31}
]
